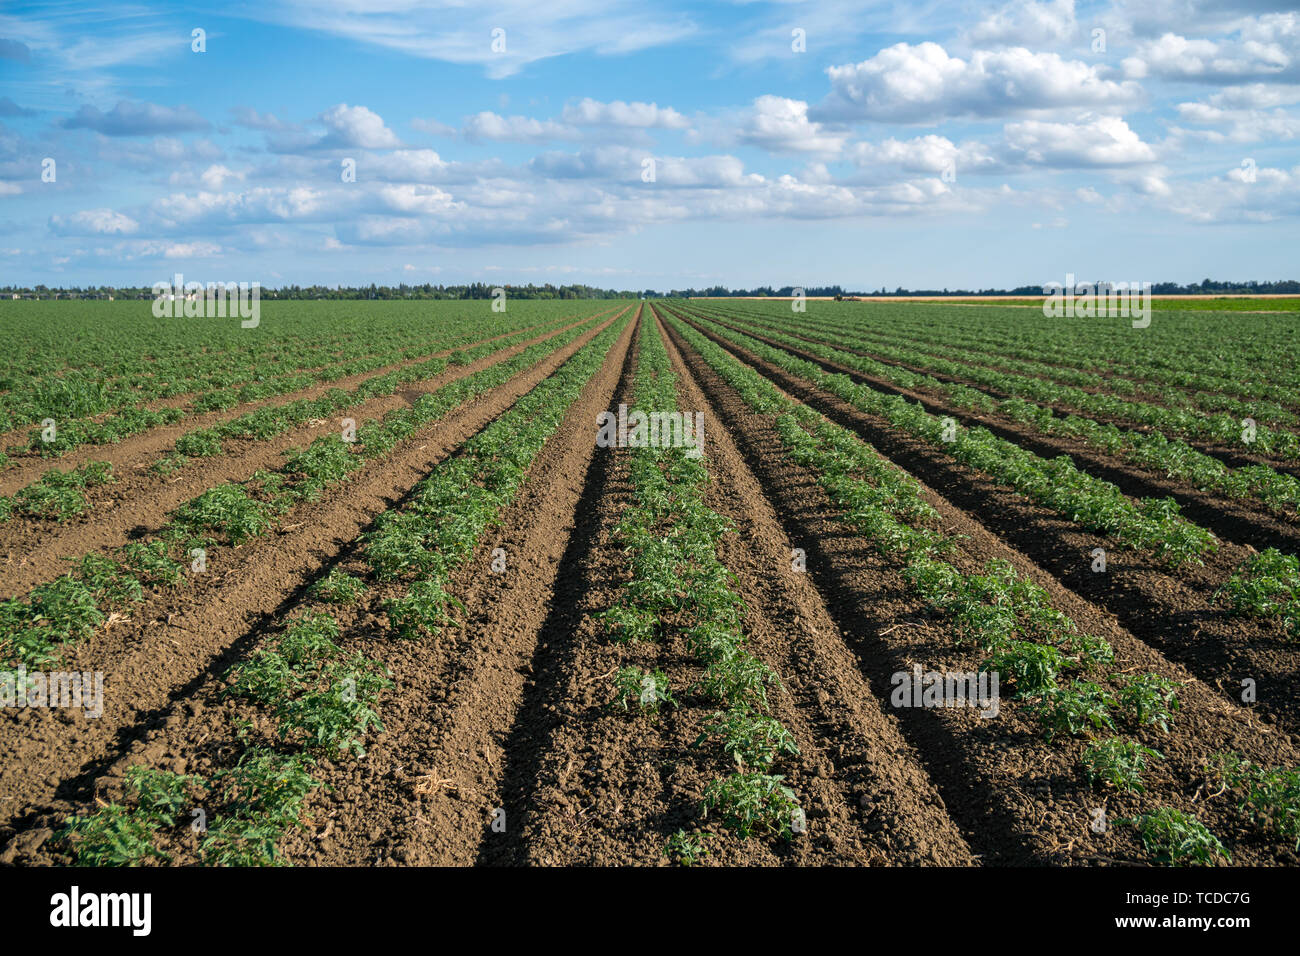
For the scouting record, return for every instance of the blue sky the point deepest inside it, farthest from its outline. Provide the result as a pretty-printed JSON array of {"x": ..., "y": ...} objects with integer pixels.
[{"x": 657, "y": 145}]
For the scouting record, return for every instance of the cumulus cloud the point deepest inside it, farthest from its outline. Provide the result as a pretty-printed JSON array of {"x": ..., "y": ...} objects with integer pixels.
[
  {"x": 217, "y": 175},
  {"x": 1262, "y": 194},
  {"x": 782, "y": 125},
  {"x": 259, "y": 204},
  {"x": 1237, "y": 125},
  {"x": 915, "y": 84},
  {"x": 1263, "y": 48},
  {"x": 1092, "y": 141},
  {"x": 356, "y": 126},
  {"x": 621, "y": 164},
  {"x": 922, "y": 154}
]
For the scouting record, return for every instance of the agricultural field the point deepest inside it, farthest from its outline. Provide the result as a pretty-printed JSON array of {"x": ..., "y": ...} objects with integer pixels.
[{"x": 649, "y": 582}]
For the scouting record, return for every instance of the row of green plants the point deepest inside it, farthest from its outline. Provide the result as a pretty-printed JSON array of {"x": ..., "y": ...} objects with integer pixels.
[
  {"x": 1149, "y": 523},
  {"x": 449, "y": 511},
  {"x": 57, "y": 495},
  {"x": 1147, "y": 449},
  {"x": 1267, "y": 586},
  {"x": 80, "y": 361},
  {"x": 1224, "y": 428},
  {"x": 1066, "y": 680},
  {"x": 322, "y": 701},
  {"x": 1259, "y": 588},
  {"x": 1180, "y": 350},
  {"x": 914, "y": 344},
  {"x": 77, "y": 402},
  {"x": 679, "y": 588},
  {"x": 32, "y": 629},
  {"x": 78, "y": 405},
  {"x": 267, "y": 422}
]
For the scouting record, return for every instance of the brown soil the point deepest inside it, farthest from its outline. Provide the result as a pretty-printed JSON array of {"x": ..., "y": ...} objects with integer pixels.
[
  {"x": 1231, "y": 455},
  {"x": 177, "y": 639},
  {"x": 1173, "y": 609},
  {"x": 137, "y": 503},
  {"x": 145, "y": 447},
  {"x": 1017, "y": 799},
  {"x": 510, "y": 708}
]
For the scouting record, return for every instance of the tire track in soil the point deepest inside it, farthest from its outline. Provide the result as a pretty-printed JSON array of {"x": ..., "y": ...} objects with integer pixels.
[
  {"x": 141, "y": 500},
  {"x": 147, "y": 445},
  {"x": 1018, "y": 800},
  {"x": 176, "y": 638},
  {"x": 1243, "y": 521},
  {"x": 1171, "y": 610},
  {"x": 425, "y": 793}
]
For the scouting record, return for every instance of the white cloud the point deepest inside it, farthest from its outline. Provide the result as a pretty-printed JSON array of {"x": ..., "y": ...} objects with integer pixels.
[
  {"x": 514, "y": 129},
  {"x": 1273, "y": 194},
  {"x": 1093, "y": 141},
  {"x": 260, "y": 204},
  {"x": 424, "y": 200},
  {"x": 922, "y": 154},
  {"x": 781, "y": 125},
  {"x": 1236, "y": 126},
  {"x": 104, "y": 222},
  {"x": 356, "y": 126},
  {"x": 914, "y": 84},
  {"x": 216, "y": 175},
  {"x": 589, "y": 112},
  {"x": 1262, "y": 48}
]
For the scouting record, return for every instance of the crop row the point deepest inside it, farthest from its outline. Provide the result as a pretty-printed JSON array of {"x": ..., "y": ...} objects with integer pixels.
[
  {"x": 1065, "y": 679},
  {"x": 57, "y": 495},
  {"x": 267, "y": 422},
  {"x": 1176, "y": 349},
  {"x": 74, "y": 404},
  {"x": 679, "y": 587},
  {"x": 1147, "y": 449},
  {"x": 1058, "y": 484},
  {"x": 323, "y": 701},
  {"x": 226, "y": 515},
  {"x": 913, "y": 343},
  {"x": 1228, "y": 429}
]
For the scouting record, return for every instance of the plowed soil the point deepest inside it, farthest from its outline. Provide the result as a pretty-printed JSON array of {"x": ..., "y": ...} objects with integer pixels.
[{"x": 500, "y": 743}]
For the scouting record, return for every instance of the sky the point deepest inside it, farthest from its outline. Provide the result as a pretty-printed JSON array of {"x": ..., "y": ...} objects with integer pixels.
[{"x": 655, "y": 145}]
